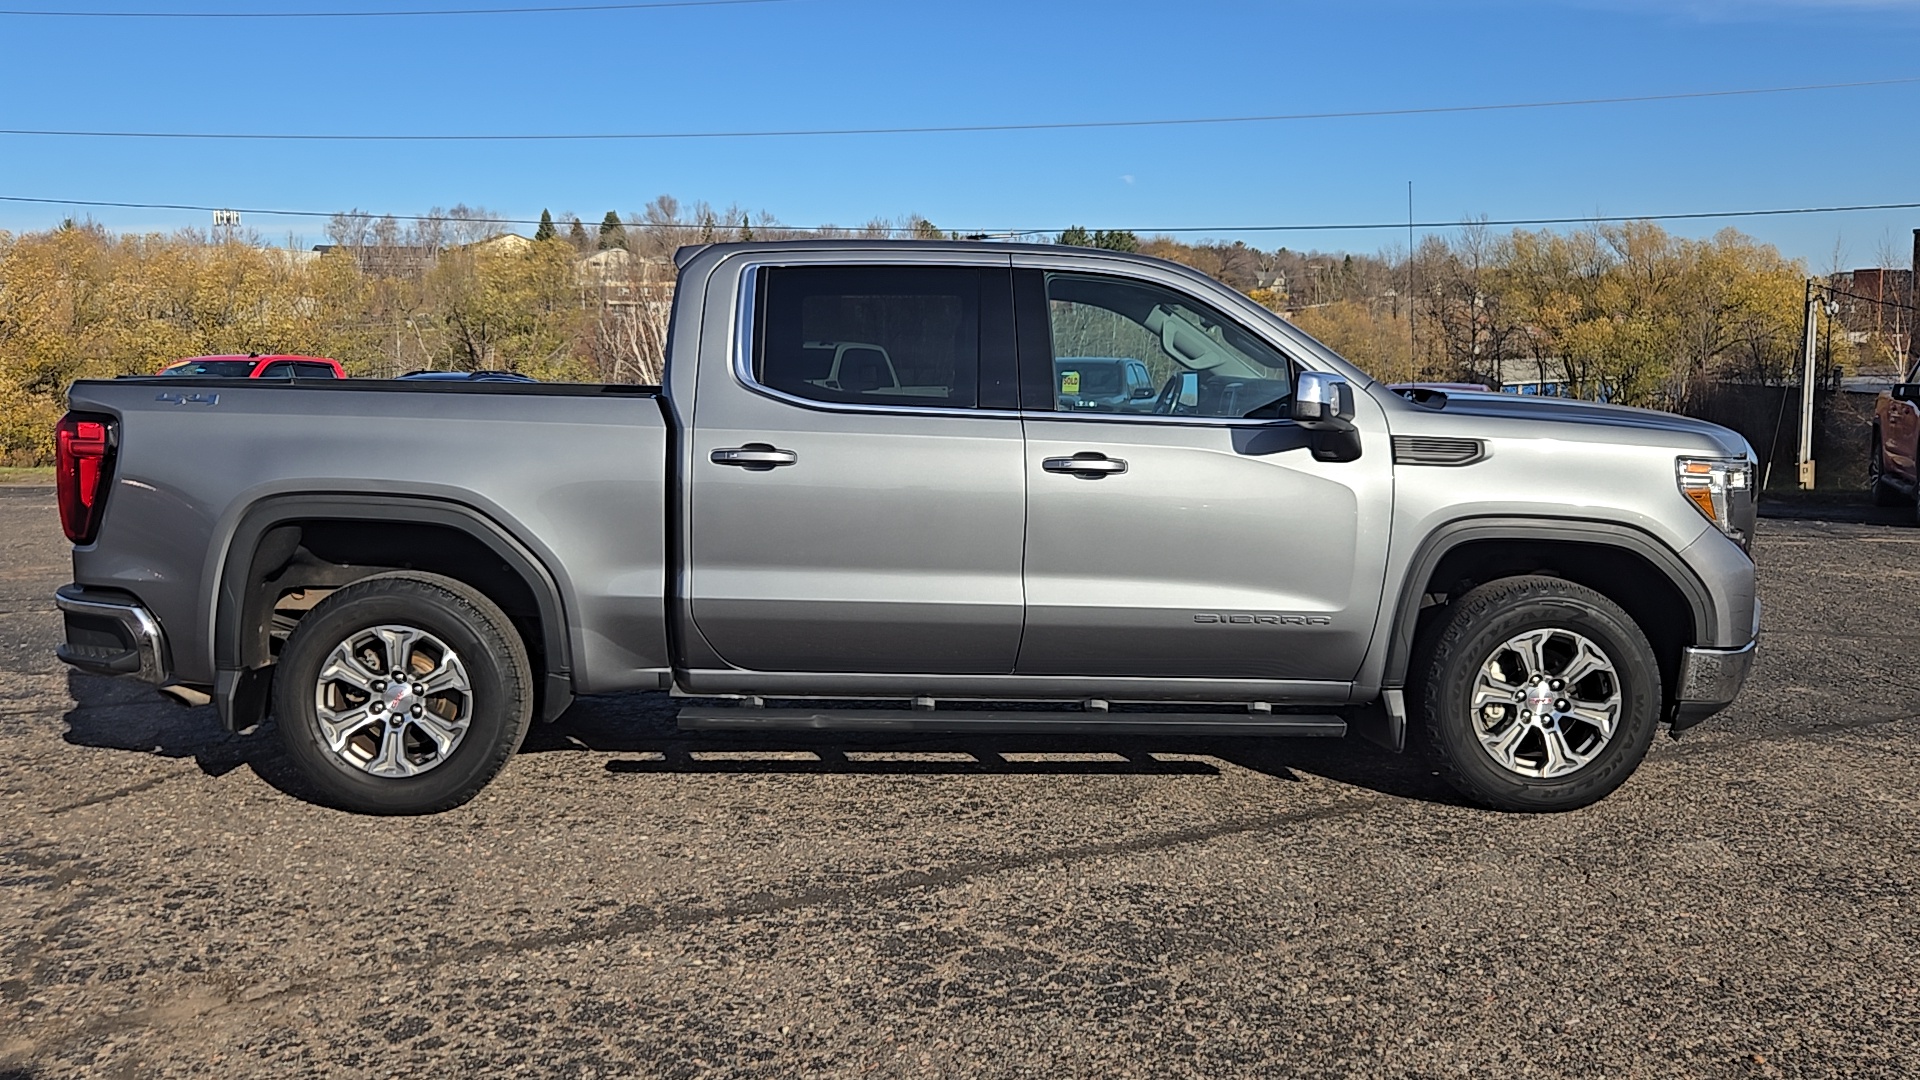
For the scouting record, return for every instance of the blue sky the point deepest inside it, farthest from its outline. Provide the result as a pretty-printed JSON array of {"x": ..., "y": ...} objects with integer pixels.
[{"x": 868, "y": 63}]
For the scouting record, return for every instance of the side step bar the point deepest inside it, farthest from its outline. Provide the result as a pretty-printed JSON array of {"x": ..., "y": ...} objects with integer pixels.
[{"x": 724, "y": 718}]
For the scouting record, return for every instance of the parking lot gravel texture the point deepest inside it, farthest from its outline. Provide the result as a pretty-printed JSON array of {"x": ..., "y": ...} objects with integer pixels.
[{"x": 626, "y": 900}]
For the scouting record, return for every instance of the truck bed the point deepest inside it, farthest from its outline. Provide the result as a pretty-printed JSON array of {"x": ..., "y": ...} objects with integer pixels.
[{"x": 574, "y": 473}]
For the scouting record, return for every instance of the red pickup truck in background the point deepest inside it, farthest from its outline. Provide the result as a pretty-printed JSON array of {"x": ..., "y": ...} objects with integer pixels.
[
  {"x": 256, "y": 366},
  {"x": 1894, "y": 467}
]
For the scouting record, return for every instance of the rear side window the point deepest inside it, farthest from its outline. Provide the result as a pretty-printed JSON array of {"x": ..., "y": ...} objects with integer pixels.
[
  {"x": 305, "y": 370},
  {"x": 903, "y": 335}
]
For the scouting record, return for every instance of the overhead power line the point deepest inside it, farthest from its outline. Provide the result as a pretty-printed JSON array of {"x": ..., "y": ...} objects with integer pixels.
[
  {"x": 1836, "y": 291},
  {"x": 419, "y": 13},
  {"x": 1587, "y": 219},
  {"x": 950, "y": 129}
]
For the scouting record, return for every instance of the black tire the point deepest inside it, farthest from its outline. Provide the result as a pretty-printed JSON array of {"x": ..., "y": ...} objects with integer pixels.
[
  {"x": 1450, "y": 658},
  {"x": 1884, "y": 494},
  {"x": 498, "y": 701}
]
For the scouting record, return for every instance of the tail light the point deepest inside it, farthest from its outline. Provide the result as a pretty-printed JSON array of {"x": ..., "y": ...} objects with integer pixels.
[{"x": 83, "y": 472}]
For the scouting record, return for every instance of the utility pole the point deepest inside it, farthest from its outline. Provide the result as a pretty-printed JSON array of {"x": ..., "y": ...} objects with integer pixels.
[
  {"x": 1413, "y": 341},
  {"x": 1806, "y": 392}
]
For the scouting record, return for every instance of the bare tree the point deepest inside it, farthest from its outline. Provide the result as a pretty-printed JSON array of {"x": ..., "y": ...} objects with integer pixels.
[
  {"x": 469, "y": 224},
  {"x": 350, "y": 228}
]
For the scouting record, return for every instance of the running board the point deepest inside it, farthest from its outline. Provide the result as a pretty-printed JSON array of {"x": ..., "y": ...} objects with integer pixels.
[{"x": 706, "y": 718}]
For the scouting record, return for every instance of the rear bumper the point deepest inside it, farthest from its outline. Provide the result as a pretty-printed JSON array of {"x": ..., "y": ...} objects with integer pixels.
[{"x": 110, "y": 633}]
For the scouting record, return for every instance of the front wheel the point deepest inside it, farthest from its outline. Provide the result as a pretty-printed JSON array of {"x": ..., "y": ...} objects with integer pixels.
[
  {"x": 403, "y": 694},
  {"x": 1537, "y": 694}
]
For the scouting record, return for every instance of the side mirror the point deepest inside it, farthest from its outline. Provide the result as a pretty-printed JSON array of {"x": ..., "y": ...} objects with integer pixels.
[
  {"x": 1322, "y": 402},
  {"x": 1140, "y": 392},
  {"x": 1906, "y": 392}
]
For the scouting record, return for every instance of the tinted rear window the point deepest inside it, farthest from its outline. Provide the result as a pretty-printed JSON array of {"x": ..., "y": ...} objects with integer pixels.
[
  {"x": 222, "y": 369},
  {"x": 896, "y": 335}
]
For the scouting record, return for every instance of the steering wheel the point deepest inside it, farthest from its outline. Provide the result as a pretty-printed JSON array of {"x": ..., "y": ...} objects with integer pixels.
[{"x": 1169, "y": 397}]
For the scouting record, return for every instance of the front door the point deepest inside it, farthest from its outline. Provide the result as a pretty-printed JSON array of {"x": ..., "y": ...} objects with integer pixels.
[
  {"x": 1191, "y": 534},
  {"x": 857, "y": 500}
]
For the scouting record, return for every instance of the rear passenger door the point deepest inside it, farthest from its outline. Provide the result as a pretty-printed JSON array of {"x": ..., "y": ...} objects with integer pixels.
[{"x": 870, "y": 524}]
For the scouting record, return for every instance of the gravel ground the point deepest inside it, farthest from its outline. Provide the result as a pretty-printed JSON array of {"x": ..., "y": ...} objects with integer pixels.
[{"x": 627, "y": 901}]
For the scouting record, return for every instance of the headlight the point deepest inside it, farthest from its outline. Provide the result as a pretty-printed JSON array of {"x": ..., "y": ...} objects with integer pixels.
[{"x": 1722, "y": 489}]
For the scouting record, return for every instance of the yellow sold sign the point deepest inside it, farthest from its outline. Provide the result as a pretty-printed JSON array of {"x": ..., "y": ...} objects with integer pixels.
[{"x": 1069, "y": 382}]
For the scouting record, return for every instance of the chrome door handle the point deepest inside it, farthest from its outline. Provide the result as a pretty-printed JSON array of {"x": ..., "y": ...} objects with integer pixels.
[
  {"x": 1086, "y": 464},
  {"x": 754, "y": 456}
]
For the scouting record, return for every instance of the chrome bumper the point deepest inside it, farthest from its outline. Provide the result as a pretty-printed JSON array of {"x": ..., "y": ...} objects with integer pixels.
[
  {"x": 111, "y": 634},
  {"x": 1713, "y": 676}
]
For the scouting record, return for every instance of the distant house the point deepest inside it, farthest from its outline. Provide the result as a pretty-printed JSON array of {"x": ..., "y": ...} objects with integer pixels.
[
  {"x": 387, "y": 260},
  {"x": 503, "y": 244},
  {"x": 620, "y": 269},
  {"x": 1545, "y": 377},
  {"x": 1874, "y": 307}
]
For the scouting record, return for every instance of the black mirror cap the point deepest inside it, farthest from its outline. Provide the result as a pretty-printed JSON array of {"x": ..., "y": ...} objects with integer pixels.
[{"x": 1905, "y": 391}]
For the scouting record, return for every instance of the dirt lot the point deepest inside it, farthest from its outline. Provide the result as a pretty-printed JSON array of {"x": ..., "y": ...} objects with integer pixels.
[{"x": 627, "y": 901}]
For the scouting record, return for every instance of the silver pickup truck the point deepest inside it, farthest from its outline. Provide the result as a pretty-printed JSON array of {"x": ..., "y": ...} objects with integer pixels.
[{"x": 796, "y": 534}]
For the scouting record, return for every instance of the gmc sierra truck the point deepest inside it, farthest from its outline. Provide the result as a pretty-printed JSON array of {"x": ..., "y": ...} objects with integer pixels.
[{"x": 407, "y": 574}]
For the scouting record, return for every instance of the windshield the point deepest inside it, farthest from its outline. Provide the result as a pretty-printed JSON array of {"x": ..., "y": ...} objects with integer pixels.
[{"x": 221, "y": 369}]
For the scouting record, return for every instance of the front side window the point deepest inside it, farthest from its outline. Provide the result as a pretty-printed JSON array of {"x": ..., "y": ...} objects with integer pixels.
[
  {"x": 870, "y": 335},
  {"x": 279, "y": 369},
  {"x": 1128, "y": 347}
]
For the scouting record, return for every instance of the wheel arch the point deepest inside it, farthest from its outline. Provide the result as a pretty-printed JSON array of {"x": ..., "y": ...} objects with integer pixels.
[
  {"x": 325, "y": 541},
  {"x": 1669, "y": 602}
]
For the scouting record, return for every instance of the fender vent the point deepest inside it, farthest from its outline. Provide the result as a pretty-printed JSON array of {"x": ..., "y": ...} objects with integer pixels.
[{"x": 1436, "y": 450}]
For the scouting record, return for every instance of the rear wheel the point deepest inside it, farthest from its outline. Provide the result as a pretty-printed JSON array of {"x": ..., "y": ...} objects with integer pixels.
[
  {"x": 1537, "y": 694},
  {"x": 403, "y": 694}
]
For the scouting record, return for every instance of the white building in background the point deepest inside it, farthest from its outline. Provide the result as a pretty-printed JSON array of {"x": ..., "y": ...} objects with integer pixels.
[{"x": 1546, "y": 377}]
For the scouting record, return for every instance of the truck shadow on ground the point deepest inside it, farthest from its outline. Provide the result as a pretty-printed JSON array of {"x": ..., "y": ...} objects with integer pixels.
[
  {"x": 115, "y": 714},
  {"x": 119, "y": 714}
]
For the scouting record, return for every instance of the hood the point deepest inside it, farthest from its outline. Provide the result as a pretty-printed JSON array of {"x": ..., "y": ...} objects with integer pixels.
[{"x": 1650, "y": 422}]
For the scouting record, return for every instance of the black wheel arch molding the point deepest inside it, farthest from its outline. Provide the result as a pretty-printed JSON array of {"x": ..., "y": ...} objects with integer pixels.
[
  {"x": 1454, "y": 535},
  {"x": 267, "y": 538}
]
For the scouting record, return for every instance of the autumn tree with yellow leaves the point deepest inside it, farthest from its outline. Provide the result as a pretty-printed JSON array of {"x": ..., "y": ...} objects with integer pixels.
[{"x": 1629, "y": 312}]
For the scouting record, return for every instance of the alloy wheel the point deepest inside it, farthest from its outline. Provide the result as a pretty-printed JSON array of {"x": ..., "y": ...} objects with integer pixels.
[
  {"x": 393, "y": 701},
  {"x": 1546, "y": 703}
]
